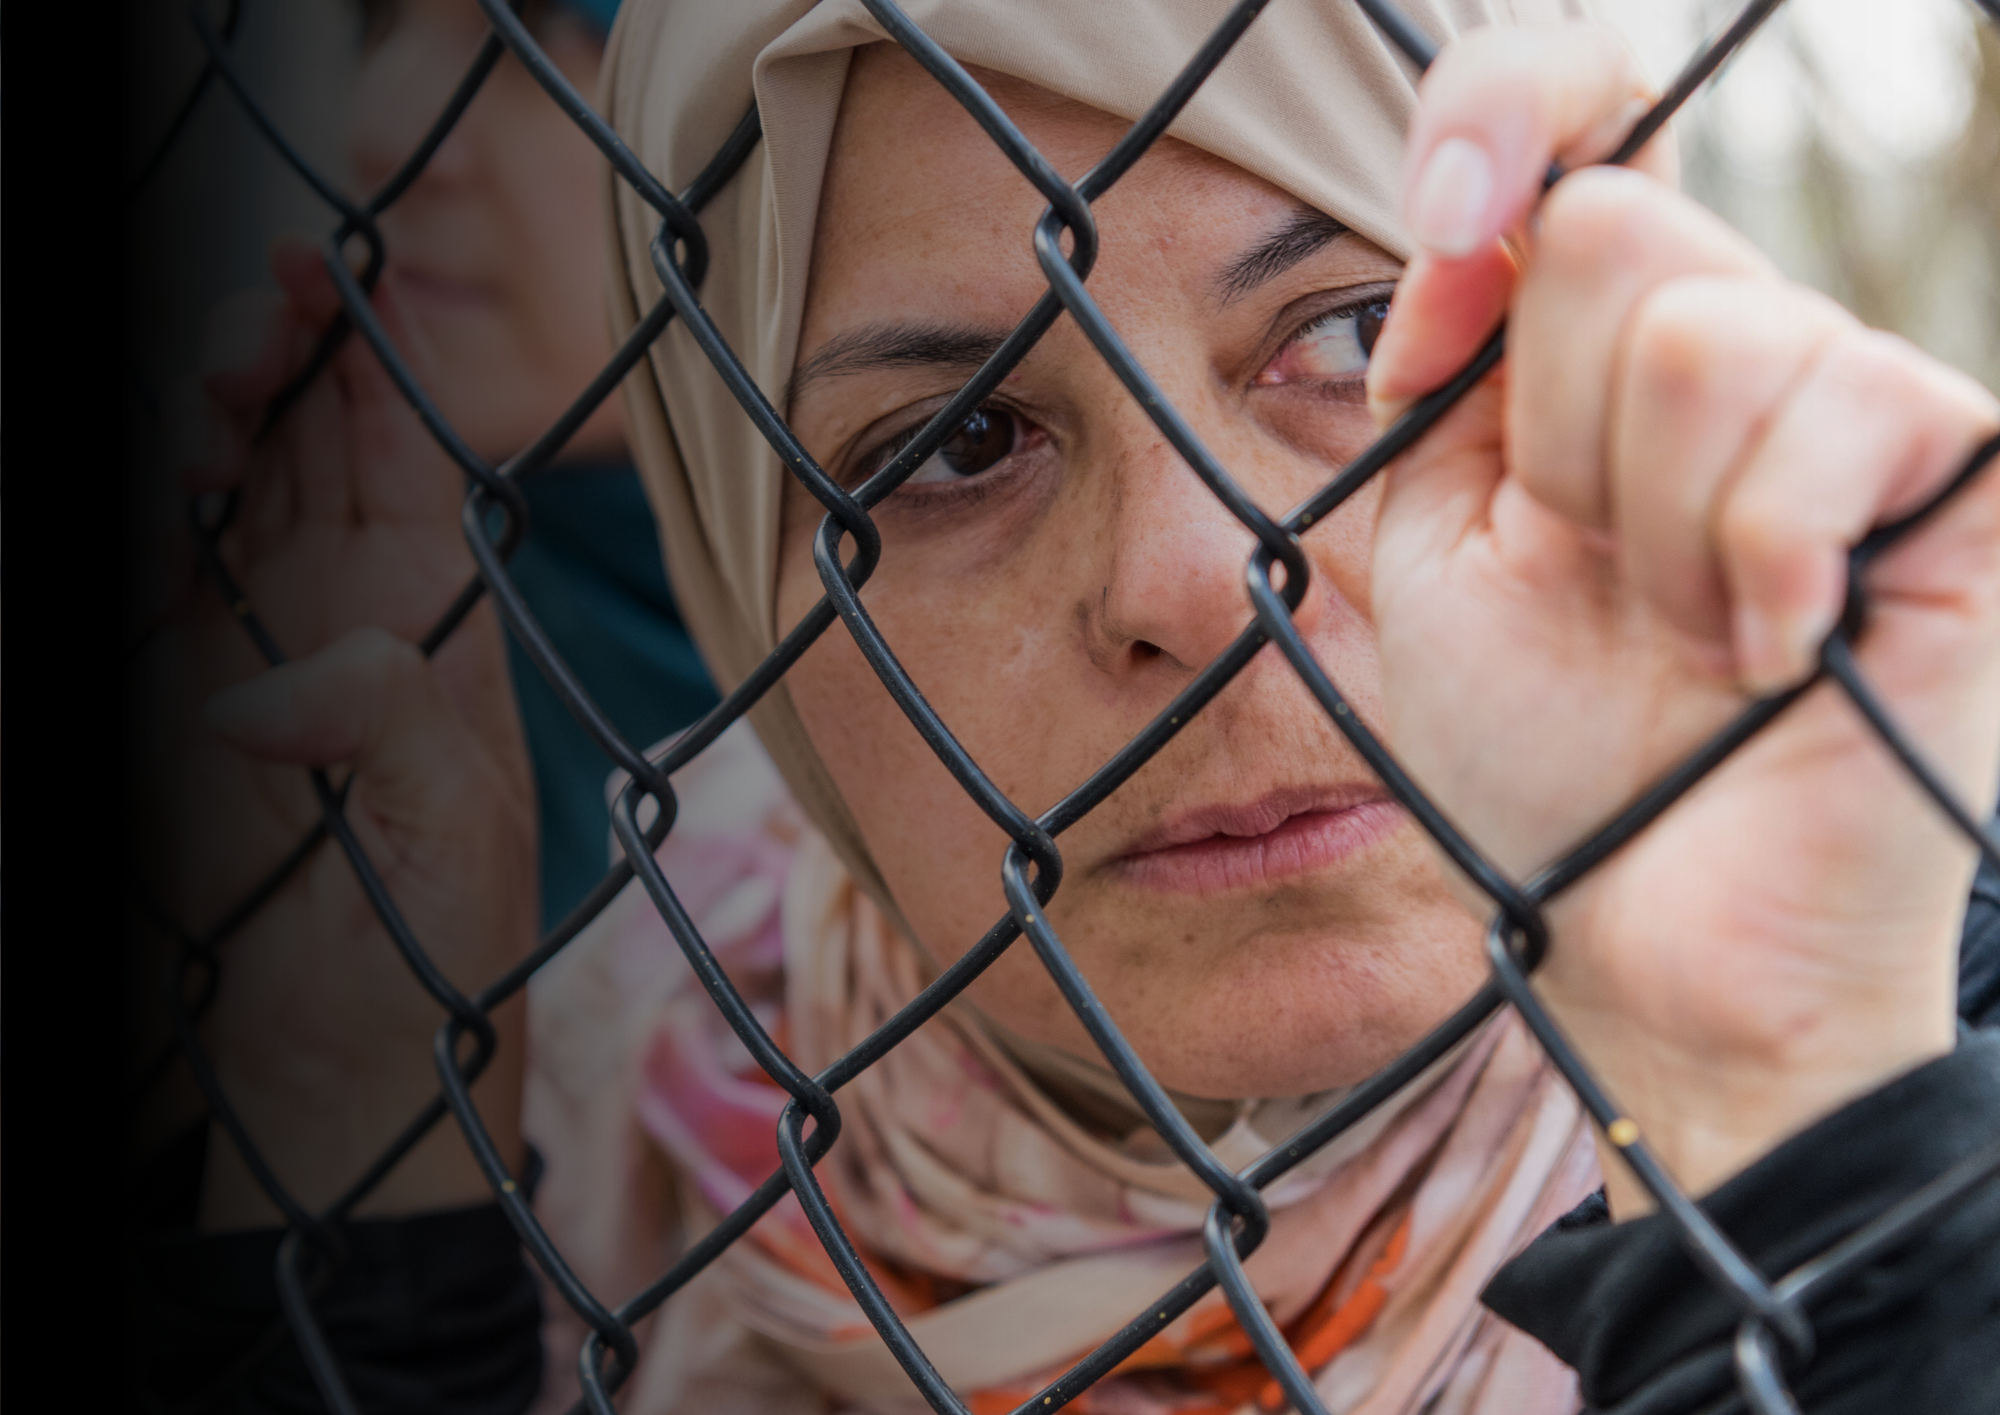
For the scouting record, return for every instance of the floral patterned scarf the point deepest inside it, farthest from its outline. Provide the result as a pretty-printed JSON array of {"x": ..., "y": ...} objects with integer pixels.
[{"x": 1011, "y": 1235}]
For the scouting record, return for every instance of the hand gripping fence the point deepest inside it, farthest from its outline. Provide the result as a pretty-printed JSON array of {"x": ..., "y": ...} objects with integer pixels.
[{"x": 1775, "y": 1330}]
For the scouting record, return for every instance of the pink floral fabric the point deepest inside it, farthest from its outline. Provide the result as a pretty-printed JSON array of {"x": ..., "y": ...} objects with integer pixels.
[{"x": 1010, "y": 1237}]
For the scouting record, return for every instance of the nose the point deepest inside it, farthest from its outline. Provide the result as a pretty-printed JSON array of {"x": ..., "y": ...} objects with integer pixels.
[
  {"x": 1176, "y": 590},
  {"x": 401, "y": 89}
]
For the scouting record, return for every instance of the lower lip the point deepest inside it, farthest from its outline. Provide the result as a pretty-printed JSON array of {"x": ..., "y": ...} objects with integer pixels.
[{"x": 1304, "y": 843}]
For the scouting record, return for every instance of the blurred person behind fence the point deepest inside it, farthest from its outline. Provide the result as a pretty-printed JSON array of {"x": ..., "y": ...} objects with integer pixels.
[
  {"x": 1768, "y": 976},
  {"x": 348, "y": 519},
  {"x": 496, "y": 253}
]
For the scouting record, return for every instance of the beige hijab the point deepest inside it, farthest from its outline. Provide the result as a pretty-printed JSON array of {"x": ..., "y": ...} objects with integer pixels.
[
  {"x": 955, "y": 1165},
  {"x": 1312, "y": 99}
]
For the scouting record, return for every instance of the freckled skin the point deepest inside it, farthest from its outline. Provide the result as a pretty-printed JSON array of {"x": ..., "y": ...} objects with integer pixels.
[{"x": 1050, "y": 621}]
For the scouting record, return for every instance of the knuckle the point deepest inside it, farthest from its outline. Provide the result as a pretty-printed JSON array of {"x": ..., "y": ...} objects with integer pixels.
[
  {"x": 1677, "y": 331},
  {"x": 1755, "y": 527},
  {"x": 1598, "y": 221},
  {"x": 1719, "y": 343},
  {"x": 1868, "y": 364},
  {"x": 373, "y": 659},
  {"x": 1873, "y": 365}
]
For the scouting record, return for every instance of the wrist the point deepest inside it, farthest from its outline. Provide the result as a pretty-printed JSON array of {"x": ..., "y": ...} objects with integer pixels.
[
  {"x": 1707, "y": 1118},
  {"x": 319, "y": 1127}
]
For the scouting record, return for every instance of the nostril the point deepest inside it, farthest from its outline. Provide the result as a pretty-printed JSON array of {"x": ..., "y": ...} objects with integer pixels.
[{"x": 1144, "y": 652}]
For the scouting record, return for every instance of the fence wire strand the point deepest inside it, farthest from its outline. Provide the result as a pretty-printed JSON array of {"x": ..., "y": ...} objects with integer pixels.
[{"x": 1775, "y": 1333}]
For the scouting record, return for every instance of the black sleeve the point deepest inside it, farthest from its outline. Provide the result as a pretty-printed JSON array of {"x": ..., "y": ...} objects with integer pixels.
[
  {"x": 436, "y": 1313},
  {"x": 1918, "y": 1330},
  {"x": 1979, "y": 951}
]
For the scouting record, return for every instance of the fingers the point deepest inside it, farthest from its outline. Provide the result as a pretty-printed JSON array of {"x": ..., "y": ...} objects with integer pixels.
[
  {"x": 1705, "y": 360},
  {"x": 349, "y": 448},
  {"x": 299, "y": 267},
  {"x": 1758, "y": 432},
  {"x": 1727, "y": 437},
  {"x": 1872, "y": 430},
  {"x": 1442, "y": 311},
  {"x": 253, "y": 344},
  {"x": 245, "y": 352},
  {"x": 369, "y": 700},
  {"x": 1496, "y": 108},
  {"x": 1608, "y": 239}
]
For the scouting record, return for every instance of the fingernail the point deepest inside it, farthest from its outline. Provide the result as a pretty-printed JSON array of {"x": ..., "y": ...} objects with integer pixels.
[{"x": 1448, "y": 201}]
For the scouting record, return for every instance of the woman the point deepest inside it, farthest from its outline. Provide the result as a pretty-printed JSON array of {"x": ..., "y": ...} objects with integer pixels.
[
  {"x": 1609, "y": 545},
  {"x": 1607, "y": 563},
  {"x": 349, "y": 517}
]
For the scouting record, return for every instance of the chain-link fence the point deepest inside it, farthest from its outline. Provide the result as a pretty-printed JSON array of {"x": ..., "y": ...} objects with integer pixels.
[{"x": 1775, "y": 1330}]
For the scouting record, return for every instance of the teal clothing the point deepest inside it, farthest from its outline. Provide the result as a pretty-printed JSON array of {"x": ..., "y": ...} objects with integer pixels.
[
  {"x": 599, "y": 12},
  {"x": 590, "y": 569}
]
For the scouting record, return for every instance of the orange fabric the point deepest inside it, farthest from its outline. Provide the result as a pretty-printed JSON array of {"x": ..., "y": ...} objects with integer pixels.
[
  {"x": 1322, "y": 1334},
  {"x": 1316, "y": 1336}
]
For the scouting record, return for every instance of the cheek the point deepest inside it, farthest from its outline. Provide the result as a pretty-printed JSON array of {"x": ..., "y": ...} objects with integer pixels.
[
  {"x": 984, "y": 673},
  {"x": 552, "y": 244},
  {"x": 936, "y": 849},
  {"x": 1342, "y": 549}
]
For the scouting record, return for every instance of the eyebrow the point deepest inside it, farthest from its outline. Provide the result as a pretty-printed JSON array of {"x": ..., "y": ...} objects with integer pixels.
[
  {"x": 874, "y": 347},
  {"x": 885, "y": 346},
  {"x": 1305, "y": 235}
]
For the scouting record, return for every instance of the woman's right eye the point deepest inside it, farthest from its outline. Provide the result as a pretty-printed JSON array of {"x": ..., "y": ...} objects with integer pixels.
[{"x": 987, "y": 437}]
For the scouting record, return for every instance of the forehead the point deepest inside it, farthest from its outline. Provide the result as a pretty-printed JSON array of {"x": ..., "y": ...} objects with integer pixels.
[{"x": 919, "y": 201}]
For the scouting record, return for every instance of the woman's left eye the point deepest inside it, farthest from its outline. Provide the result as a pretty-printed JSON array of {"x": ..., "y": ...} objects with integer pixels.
[{"x": 1333, "y": 348}]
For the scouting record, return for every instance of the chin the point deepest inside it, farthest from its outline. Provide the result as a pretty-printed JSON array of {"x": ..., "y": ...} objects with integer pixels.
[{"x": 1301, "y": 1015}]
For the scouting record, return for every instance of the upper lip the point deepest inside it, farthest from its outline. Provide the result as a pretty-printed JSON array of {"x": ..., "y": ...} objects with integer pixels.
[{"x": 1253, "y": 818}]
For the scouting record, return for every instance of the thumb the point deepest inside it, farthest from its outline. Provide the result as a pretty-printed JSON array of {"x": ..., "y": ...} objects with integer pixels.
[
  {"x": 369, "y": 700},
  {"x": 1439, "y": 492},
  {"x": 1442, "y": 312}
]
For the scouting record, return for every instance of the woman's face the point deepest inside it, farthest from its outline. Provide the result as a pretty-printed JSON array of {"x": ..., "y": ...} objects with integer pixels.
[
  {"x": 1253, "y": 911},
  {"x": 497, "y": 249}
]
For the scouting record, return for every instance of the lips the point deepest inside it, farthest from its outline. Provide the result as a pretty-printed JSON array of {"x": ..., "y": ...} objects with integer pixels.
[{"x": 1279, "y": 836}]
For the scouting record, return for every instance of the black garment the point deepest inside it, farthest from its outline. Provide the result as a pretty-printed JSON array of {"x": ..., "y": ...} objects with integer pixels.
[
  {"x": 437, "y": 1313},
  {"x": 1918, "y": 1330}
]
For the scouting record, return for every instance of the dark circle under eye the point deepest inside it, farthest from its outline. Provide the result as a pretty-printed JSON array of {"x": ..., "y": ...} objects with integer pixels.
[
  {"x": 1368, "y": 322},
  {"x": 986, "y": 436}
]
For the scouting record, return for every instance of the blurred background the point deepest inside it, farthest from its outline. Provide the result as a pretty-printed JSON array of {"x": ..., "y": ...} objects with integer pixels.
[{"x": 1857, "y": 142}]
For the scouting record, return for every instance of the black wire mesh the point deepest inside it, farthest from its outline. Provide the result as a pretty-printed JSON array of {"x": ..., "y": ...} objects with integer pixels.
[{"x": 1775, "y": 1329}]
